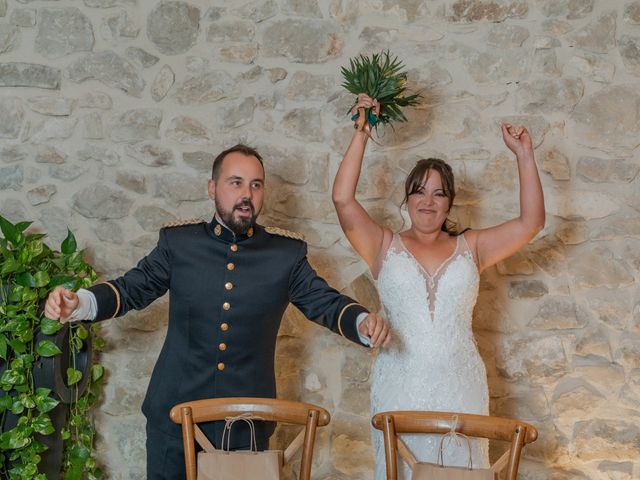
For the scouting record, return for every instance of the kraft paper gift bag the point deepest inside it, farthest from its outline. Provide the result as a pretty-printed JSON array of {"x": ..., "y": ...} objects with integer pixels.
[
  {"x": 438, "y": 471},
  {"x": 223, "y": 464}
]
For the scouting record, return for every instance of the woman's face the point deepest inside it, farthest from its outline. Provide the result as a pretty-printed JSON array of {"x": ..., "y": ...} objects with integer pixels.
[{"x": 429, "y": 206}]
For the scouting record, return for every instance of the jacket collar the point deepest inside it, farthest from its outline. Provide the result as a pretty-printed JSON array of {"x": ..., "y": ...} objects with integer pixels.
[{"x": 219, "y": 230}]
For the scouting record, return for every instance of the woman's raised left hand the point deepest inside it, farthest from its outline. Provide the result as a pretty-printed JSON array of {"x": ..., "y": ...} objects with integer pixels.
[{"x": 517, "y": 139}]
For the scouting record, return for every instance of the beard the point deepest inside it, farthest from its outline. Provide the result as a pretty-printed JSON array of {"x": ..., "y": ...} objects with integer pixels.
[{"x": 238, "y": 225}]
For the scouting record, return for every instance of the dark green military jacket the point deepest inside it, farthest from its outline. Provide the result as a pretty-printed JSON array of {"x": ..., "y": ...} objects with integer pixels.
[{"x": 227, "y": 298}]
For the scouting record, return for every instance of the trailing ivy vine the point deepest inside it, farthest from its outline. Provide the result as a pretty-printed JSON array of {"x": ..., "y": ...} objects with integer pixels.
[{"x": 29, "y": 270}]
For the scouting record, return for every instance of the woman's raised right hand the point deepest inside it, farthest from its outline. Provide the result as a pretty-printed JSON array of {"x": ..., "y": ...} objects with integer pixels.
[{"x": 363, "y": 103}]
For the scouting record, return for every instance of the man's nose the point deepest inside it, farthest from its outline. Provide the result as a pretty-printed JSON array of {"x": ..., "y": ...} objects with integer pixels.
[{"x": 247, "y": 193}]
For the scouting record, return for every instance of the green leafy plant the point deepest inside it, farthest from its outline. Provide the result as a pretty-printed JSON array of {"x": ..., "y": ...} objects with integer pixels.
[
  {"x": 79, "y": 454},
  {"x": 29, "y": 270},
  {"x": 380, "y": 76}
]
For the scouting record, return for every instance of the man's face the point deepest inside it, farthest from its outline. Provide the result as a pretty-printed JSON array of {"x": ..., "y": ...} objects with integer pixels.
[{"x": 238, "y": 191}]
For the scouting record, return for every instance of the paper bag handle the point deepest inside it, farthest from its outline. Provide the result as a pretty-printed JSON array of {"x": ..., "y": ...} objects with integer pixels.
[{"x": 454, "y": 435}]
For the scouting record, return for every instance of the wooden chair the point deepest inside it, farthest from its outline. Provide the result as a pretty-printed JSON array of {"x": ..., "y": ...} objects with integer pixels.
[
  {"x": 311, "y": 416},
  {"x": 494, "y": 428}
]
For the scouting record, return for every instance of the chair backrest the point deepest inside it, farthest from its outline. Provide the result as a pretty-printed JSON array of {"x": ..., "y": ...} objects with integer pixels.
[
  {"x": 311, "y": 416},
  {"x": 495, "y": 428}
]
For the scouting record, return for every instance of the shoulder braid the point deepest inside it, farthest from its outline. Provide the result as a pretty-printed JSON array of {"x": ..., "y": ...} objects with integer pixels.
[
  {"x": 180, "y": 223},
  {"x": 284, "y": 233}
]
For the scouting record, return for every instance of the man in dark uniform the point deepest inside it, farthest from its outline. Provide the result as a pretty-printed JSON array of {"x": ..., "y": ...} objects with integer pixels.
[{"x": 230, "y": 282}]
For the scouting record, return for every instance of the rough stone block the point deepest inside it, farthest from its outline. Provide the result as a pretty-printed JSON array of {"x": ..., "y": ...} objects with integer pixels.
[
  {"x": 205, "y": 88},
  {"x": 19, "y": 74},
  {"x": 11, "y": 177},
  {"x": 99, "y": 153},
  {"x": 55, "y": 106},
  {"x": 188, "y": 130},
  {"x": 108, "y": 68},
  {"x": 151, "y": 217},
  {"x": 100, "y": 201},
  {"x": 162, "y": 83},
  {"x": 486, "y": 10},
  {"x": 41, "y": 194},
  {"x": 141, "y": 57},
  {"x": 150, "y": 154},
  {"x": 598, "y": 36},
  {"x": 598, "y": 267},
  {"x": 179, "y": 187},
  {"x": 173, "y": 26},
  {"x": 9, "y": 36},
  {"x": 23, "y": 17},
  {"x": 137, "y": 124},
  {"x": 63, "y": 30},
  {"x": 302, "y": 41},
  {"x": 569, "y": 9},
  {"x": 12, "y": 115},
  {"x": 604, "y": 439}
]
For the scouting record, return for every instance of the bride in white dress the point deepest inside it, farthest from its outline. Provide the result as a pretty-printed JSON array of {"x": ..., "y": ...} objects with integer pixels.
[{"x": 428, "y": 280}]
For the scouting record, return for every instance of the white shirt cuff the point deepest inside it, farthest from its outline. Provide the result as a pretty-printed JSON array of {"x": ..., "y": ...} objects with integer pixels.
[
  {"x": 87, "y": 307},
  {"x": 364, "y": 339}
]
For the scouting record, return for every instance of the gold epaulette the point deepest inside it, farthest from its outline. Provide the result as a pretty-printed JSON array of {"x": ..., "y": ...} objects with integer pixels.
[
  {"x": 180, "y": 223},
  {"x": 284, "y": 233}
]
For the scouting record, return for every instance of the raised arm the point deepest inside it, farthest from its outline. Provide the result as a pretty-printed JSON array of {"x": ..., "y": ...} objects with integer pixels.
[
  {"x": 363, "y": 233},
  {"x": 497, "y": 243}
]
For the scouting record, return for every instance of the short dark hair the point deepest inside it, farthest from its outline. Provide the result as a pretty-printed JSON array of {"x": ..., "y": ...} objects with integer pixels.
[{"x": 241, "y": 148}]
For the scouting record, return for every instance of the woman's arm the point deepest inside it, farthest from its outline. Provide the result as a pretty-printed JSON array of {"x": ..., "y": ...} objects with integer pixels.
[
  {"x": 497, "y": 243},
  {"x": 363, "y": 233}
]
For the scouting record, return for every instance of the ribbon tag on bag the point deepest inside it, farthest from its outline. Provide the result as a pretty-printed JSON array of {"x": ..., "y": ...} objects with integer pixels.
[
  {"x": 454, "y": 436},
  {"x": 439, "y": 471},
  {"x": 228, "y": 423}
]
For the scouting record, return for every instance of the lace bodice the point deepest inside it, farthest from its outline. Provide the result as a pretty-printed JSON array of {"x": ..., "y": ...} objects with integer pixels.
[
  {"x": 419, "y": 304},
  {"x": 433, "y": 362}
]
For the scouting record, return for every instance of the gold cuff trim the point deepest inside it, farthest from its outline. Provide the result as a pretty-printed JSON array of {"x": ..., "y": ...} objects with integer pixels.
[
  {"x": 341, "y": 314},
  {"x": 115, "y": 290}
]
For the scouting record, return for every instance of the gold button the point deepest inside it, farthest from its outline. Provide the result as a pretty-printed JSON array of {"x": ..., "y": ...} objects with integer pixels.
[
  {"x": 221, "y": 366},
  {"x": 224, "y": 327},
  {"x": 234, "y": 247},
  {"x": 222, "y": 347},
  {"x": 226, "y": 305},
  {"x": 228, "y": 285},
  {"x": 230, "y": 266}
]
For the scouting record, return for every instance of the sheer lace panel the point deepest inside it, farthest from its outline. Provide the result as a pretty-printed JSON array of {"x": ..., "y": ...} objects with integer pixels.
[{"x": 432, "y": 279}]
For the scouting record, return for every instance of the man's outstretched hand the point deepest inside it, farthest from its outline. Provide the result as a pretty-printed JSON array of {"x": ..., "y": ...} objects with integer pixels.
[{"x": 61, "y": 303}]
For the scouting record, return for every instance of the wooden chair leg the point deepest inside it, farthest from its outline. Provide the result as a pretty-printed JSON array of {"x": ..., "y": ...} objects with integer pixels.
[
  {"x": 309, "y": 440},
  {"x": 389, "y": 432},
  {"x": 189, "y": 444},
  {"x": 516, "y": 449}
]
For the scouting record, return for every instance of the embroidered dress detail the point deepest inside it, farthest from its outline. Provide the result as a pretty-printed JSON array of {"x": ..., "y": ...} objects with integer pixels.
[
  {"x": 433, "y": 363},
  {"x": 431, "y": 280}
]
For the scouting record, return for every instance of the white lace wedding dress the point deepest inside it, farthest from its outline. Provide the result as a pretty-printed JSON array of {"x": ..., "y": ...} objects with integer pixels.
[{"x": 434, "y": 362}]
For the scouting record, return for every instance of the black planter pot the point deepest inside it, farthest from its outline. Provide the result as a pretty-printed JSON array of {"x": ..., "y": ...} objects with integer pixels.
[{"x": 52, "y": 373}]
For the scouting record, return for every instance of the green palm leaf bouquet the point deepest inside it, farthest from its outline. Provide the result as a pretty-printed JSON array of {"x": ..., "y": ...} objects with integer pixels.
[{"x": 383, "y": 78}]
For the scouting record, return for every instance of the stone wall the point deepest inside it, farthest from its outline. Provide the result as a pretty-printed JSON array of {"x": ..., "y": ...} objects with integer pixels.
[{"x": 112, "y": 110}]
